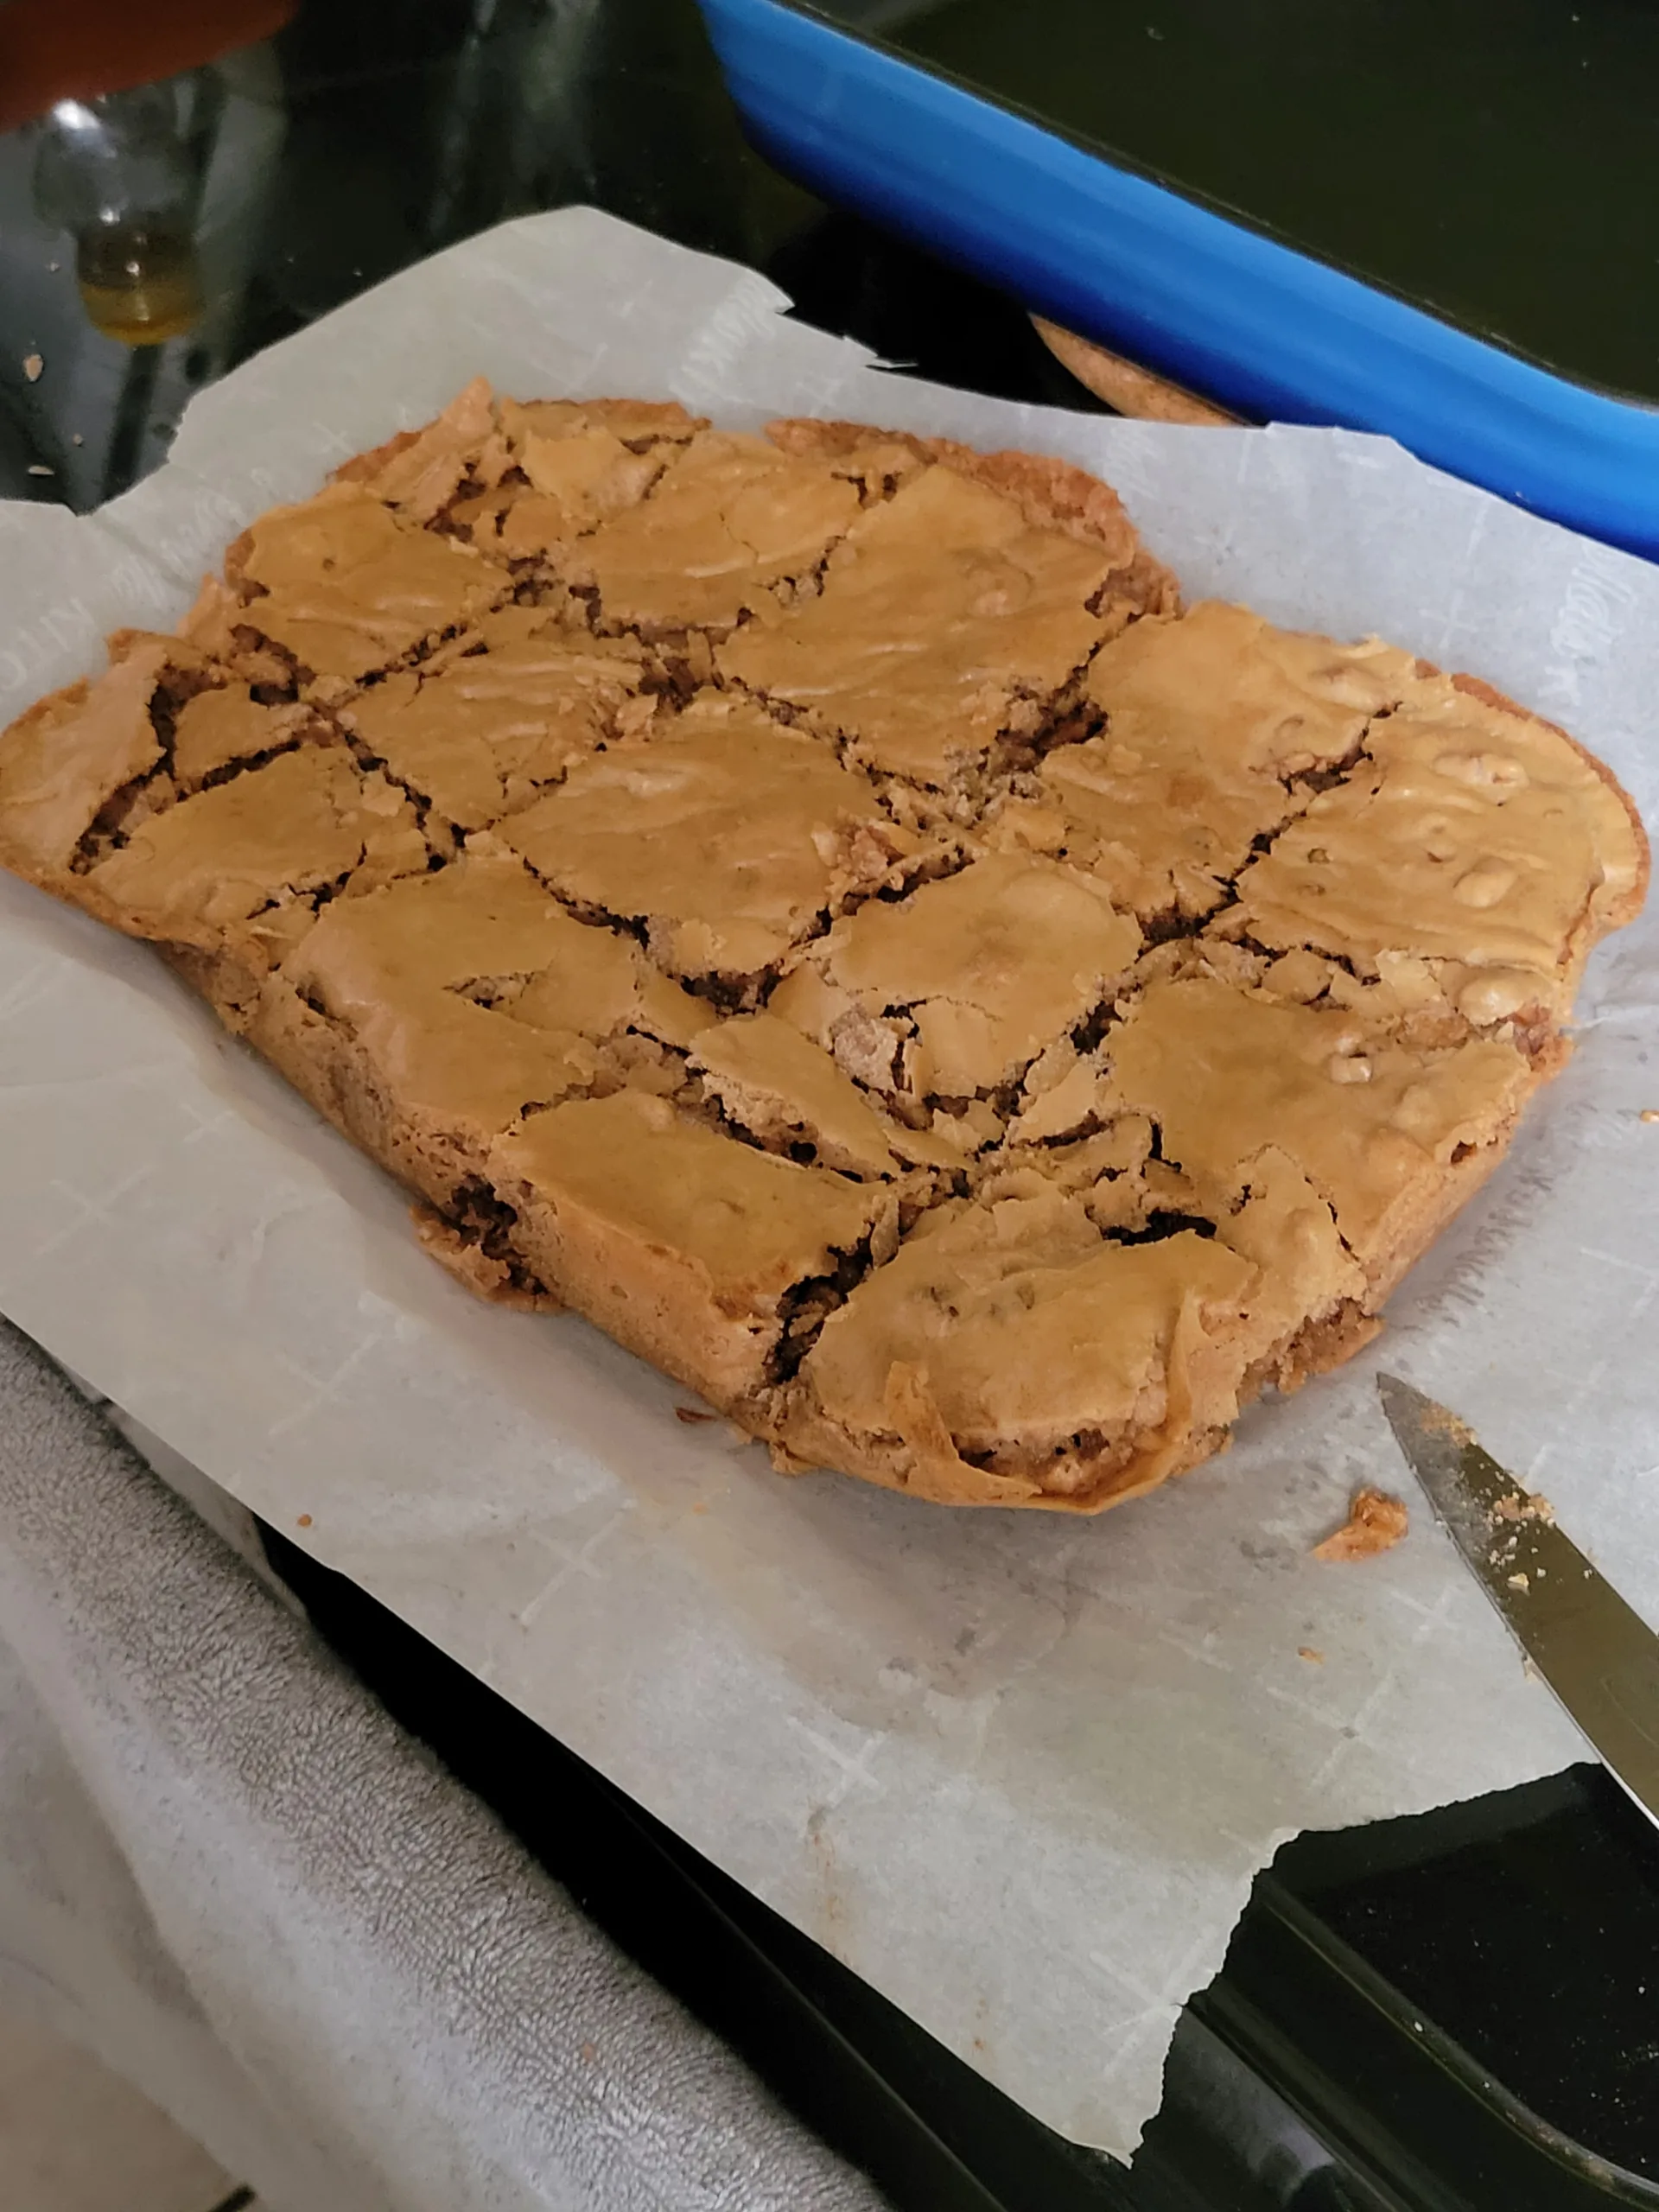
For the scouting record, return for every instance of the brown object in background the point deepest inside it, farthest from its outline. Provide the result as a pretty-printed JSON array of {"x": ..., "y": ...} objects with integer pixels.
[
  {"x": 52, "y": 50},
  {"x": 1131, "y": 389}
]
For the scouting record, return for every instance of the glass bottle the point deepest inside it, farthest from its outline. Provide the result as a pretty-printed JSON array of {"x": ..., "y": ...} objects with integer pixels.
[{"x": 117, "y": 173}]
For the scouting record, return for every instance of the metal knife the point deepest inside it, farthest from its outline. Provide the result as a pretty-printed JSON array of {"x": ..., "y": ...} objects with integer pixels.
[{"x": 1600, "y": 1657}]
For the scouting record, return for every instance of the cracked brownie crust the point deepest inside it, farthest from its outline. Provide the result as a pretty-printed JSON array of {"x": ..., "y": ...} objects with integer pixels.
[{"x": 817, "y": 905}]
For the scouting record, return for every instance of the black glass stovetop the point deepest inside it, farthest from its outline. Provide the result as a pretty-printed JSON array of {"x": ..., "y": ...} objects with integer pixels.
[
  {"x": 301, "y": 173},
  {"x": 1494, "y": 161},
  {"x": 1459, "y": 2011}
]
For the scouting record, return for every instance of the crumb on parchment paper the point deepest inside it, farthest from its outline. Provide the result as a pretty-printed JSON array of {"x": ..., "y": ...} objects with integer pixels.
[
  {"x": 1376, "y": 1523},
  {"x": 1306, "y": 1652},
  {"x": 1651, "y": 1113}
]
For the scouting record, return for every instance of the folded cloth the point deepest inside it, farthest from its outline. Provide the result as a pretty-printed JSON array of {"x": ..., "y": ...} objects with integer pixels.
[{"x": 231, "y": 1874}]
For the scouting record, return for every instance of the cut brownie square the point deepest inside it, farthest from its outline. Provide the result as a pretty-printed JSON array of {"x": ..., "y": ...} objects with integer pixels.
[
  {"x": 947, "y": 622},
  {"x": 730, "y": 523},
  {"x": 226, "y": 728},
  {"x": 724, "y": 836},
  {"x": 791, "y": 1096},
  {"x": 1213, "y": 723},
  {"x": 712, "y": 1259},
  {"x": 576, "y": 466},
  {"x": 180, "y": 808},
  {"x": 422, "y": 473},
  {"x": 480, "y": 728},
  {"x": 341, "y": 587},
  {"x": 431, "y": 1016},
  {"x": 1392, "y": 1138},
  {"x": 1010, "y": 1353},
  {"x": 304, "y": 823},
  {"x": 81, "y": 753},
  {"x": 1471, "y": 836},
  {"x": 941, "y": 999}
]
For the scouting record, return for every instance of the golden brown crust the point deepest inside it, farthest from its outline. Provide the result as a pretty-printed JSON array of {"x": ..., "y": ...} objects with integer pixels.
[
  {"x": 1476, "y": 847},
  {"x": 816, "y": 909},
  {"x": 364, "y": 466},
  {"x": 1617, "y": 912},
  {"x": 1049, "y": 495},
  {"x": 958, "y": 608}
]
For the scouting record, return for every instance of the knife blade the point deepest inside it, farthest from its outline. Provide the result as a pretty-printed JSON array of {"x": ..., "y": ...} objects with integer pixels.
[{"x": 1594, "y": 1650}]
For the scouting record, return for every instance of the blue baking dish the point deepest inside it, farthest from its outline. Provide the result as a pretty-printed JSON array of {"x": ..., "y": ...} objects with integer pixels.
[{"x": 1270, "y": 330}]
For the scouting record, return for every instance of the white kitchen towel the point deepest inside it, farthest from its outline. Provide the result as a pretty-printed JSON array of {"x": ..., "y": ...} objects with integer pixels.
[{"x": 225, "y": 1870}]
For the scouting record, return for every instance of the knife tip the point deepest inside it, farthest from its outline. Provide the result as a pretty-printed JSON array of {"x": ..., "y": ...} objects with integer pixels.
[
  {"x": 1417, "y": 1418},
  {"x": 1401, "y": 1402}
]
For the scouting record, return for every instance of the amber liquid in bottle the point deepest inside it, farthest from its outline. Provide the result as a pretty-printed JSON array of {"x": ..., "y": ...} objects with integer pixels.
[{"x": 138, "y": 281}]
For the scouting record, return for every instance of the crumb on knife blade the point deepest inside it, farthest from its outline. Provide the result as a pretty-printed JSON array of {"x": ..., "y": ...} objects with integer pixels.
[
  {"x": 33, "y": 366},
  {"x": 1444, "y": 1422},
  {"x": 1376, "y": 1523},
  {"x": 1532, "y": 1506}
]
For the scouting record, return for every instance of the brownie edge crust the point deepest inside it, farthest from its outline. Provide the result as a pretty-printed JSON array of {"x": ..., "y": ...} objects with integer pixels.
[{"x": 817, "y": 905}]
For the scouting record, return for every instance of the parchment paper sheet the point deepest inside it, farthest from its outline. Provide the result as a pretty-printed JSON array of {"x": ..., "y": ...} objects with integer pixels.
[{"x": 1018, "y": 1770}]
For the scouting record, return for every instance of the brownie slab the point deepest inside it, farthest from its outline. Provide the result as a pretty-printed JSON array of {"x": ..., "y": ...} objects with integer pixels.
[{"x": 816, "y": 905}]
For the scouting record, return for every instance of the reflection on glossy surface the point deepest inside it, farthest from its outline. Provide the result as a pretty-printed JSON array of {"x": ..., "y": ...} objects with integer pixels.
[{"x": 108, "y": 160}]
